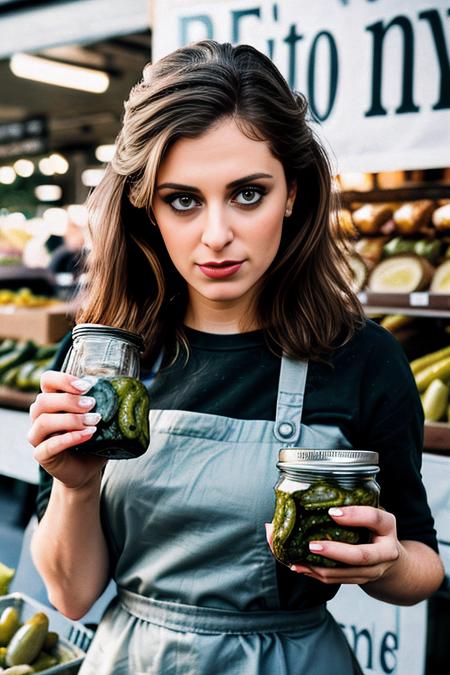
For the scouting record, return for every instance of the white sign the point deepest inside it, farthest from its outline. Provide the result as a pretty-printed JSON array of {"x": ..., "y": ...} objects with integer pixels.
[
  {"x": 385, "y": 638},
  {"x": 376, "y": 72}
]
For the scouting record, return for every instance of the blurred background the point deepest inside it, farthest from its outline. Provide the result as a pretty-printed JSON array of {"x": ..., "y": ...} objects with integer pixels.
[{"x": 376, "y": 74}]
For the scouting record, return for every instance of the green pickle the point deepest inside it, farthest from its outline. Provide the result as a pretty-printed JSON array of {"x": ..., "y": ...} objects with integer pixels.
[
  {"x": 302, "y": 517},
  {"x": 123, "y": 431}
]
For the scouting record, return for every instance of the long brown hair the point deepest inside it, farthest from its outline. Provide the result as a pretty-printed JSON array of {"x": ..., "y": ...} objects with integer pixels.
[{"x": 304, "y": 303}]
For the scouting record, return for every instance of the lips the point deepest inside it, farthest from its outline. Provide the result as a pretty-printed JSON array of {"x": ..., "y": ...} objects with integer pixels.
[{"x": 219, "y": 270}]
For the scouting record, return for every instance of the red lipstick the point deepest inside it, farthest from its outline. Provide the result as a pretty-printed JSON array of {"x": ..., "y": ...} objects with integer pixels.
[{"x": 220, "y": 270}]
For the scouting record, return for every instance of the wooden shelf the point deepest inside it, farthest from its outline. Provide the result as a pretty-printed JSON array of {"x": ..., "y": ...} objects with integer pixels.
[
  {"x": 437, "y": 437},
  {"x": 19, "y": 400},
  {"x": 411, "y": 304},
  {"x": 401, "y": 194}
]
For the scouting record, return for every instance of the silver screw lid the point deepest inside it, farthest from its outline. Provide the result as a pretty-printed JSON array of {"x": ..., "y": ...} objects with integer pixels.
[{"x": 315, "y": 458}]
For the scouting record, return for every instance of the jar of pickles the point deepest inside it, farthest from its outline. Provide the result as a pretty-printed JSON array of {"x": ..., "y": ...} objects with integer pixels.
[
  {"x": 110, "y": 358},
  {"x": 312, "y": 481}
]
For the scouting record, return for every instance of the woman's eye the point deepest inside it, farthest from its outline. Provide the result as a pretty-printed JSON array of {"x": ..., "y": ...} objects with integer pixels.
[
  {"x": 249, "y": 196},
  {"x": 182, "y": 202}
]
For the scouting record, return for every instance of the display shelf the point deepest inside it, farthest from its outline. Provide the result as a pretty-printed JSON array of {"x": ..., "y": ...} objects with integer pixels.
[
  {"x": 437, "y": 437},
  {"x": 19, "y": 400},
  {"x": 411, "y": 304},
  {"x": 401, "y": 194}
]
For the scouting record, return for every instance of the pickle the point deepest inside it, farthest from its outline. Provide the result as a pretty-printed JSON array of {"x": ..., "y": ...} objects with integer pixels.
[
  {"x": 435, "y": 401},
  {"x": 43, "y": 662},
  {"x": 429, "y": 359},
  {"x": 283, "y": 524},
  {"x": 321, "y": 495},
  {"x": 9, "y": 623},
  {"x": 27, "y": 642},
  {"x": 440, "y": 370},
  {"x": 2, "y": 657},
  {"x": 106, "y": 399},
  {"x": 126, "y": 417},
  {"x": 51, "y": 640}
]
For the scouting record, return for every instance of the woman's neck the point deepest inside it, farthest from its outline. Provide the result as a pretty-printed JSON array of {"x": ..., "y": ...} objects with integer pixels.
[{"x": 211, "y": 317}]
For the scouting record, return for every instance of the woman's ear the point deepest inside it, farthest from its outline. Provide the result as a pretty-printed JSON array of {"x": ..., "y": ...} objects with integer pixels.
[{"x": 292, "y": 194}]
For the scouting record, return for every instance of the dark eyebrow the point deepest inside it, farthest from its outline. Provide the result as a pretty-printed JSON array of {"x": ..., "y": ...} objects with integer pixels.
[{"x": 234, "y": 183}]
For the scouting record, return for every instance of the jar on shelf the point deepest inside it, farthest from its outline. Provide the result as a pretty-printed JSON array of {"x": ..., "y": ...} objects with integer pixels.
[
  {"x": 110, "y": 358},
  {"x": 310, "y": 482}
]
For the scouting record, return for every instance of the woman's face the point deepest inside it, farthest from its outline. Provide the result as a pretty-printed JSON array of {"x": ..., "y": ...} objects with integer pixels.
[{"x": 219, "y": 204}]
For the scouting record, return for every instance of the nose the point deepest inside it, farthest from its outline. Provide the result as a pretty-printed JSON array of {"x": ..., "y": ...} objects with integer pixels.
[{"x": 217, "y": 231}]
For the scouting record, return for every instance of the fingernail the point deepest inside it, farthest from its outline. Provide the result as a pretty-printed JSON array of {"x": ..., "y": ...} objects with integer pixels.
[
  {"x": 86, "y": 401},
  {"x": 81, "y": 385},
  {"x": 92, "y": 418},
  {"x": 315, "y": 547},
  {"x": 335, "y": 512},
  {"x": 88, "y": 431}
]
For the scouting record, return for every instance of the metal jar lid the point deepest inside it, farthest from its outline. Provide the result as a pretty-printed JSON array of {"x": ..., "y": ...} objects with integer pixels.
[
  {"x": 331, "y": 459},
  {"x": 99, "y": 330}
]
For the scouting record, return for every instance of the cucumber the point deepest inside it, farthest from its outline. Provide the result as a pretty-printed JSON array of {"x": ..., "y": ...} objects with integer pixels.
[
  {"x": 9, "y": 377},
  {"x": 106, "y": 399},
  {"x": 35, "y": 375},
  {"x": 437, "y": 371},
  {"x": 24, "y": 351},
  {"x": 43, "y": 662},
  {"x": 7, "y": 346},
  {"x": 429, "y": 359},
  {"x": 46, "y": 351},
  {"x": 435, "y": 401},
  {"x": 27, "y": 642},
  {"x": 9, "y": 623},
  {"x": 23, "y": 381}
]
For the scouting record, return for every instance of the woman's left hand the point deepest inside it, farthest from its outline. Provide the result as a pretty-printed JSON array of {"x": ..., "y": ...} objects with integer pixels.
[{"x": 366, "y": 562}]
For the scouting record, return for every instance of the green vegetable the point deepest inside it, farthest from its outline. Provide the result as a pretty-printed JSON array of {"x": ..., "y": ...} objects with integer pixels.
[
  {"x": 7, "y": 346},
  {"x": 9, "y": 623},
  {"x": 435, "y": 401},
  {"x": 28, "y": 641},
  {"x": 284, "y": 521},
  {"x": 22, "y": 352},
  {"x": 6, "y": 576},
  {"x": 43, "y": 662},
  {"x": 51, "y": 640},
  {"x": 106, "y": 399},
  {"x": 322, "y": 495}
]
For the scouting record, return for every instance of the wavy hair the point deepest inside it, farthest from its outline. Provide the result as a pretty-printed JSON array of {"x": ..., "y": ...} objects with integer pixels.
[{"x": 304, "y": 303}]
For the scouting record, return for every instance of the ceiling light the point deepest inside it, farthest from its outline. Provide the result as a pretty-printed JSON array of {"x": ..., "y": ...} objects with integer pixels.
[
  {"x": 105, "y": 153},
  {"x": 59, "y": 163},
  {"x": 60, "y": 74},
  {"x": 46, "y": 166},
  {"x": 92, "y": 177},
  {"x": 24, "y": 168},
  {"x": 7, "y": 175},
  {"x": 48, "y": 193}
]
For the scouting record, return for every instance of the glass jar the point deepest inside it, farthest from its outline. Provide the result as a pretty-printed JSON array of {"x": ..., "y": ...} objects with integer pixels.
[
  {"x": 110, "y": 358},
  {"x": 311, "y": 481}
]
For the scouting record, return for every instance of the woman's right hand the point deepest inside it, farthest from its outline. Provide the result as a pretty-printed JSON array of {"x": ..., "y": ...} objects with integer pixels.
[{"x": 60, "y": 420}]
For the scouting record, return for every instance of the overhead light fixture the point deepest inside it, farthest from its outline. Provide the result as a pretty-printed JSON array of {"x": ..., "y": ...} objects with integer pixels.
[
  {"x": 59, "y": 163},
  {"x": 105, "y": 153},
  {"x": 46, "y": 166},
  {"x": 24, "y": 168},
  {"x": 48, "y": 193},
  {"x": 60, "y": 74},
  {"x": 7, "y": 175},
  {"x": 92, "y": 177}
]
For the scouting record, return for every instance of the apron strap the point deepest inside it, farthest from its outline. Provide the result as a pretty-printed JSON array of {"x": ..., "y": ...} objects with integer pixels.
[{"x": 291, "y": 393}]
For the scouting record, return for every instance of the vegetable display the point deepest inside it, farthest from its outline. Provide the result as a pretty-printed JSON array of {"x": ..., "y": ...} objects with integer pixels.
[
  {"x": 23, "y": 362},
  {"x": 123, "y": 431},
  {"x": 29, "y": 647},
  {"x": 302, "y": 516}
]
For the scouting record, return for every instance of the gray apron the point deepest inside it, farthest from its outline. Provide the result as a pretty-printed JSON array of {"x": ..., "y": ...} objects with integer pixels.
[{"x": 197, "y": 583}]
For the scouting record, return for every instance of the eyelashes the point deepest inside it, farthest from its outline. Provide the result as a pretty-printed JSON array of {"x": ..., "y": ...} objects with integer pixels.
[{"x": 184, "y": 202}]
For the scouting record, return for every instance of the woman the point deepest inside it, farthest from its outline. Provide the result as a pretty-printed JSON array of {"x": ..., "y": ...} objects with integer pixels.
[{"x": 212, "y": 238}]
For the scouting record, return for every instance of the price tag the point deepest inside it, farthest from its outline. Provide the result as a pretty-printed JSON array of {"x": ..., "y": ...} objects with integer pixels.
[{"x": 419, "y": 299}]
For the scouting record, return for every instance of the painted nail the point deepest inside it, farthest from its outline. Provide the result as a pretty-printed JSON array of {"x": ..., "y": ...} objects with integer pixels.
[
  {"x": 81, "y": 385},
  {"x": 335, "y": 512},
  {"x": 86, "y": 401},
  {"x": 315, "y": 547},
  {"x": 91, "y": 418},
  {"x": 88, "y": 431}
]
